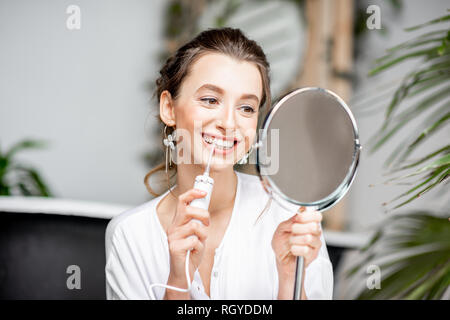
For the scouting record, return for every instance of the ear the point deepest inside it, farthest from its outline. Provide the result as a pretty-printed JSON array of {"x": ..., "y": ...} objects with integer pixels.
[{"x": 166, "y": 108}]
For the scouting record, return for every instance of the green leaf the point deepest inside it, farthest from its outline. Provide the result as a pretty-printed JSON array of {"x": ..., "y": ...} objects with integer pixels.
[
  {"x": 419, "y": 78},
  {"x": 430, "y": 84},
  {"x": 399, "y": 154},
  {"x": 401, "y": 119},
  {"x": 24, "y": 189},
  {"x": 428, "y": 131},
  {"x": 25, "y": 144},
  {"x": 357, "y": 267},
  {"x": 421, "y": 290},
  {"x": 431, "y": 177},
  {"x": 374, "y": 240},
  {"x": 429, "y": 156},
  {"x": 438, "y": 20},
  {"x": 428, "y": 188},
  {"x": 423, "y": 270},
  {"x": 414, "y": 272},
  {"x": 440, "y": 286},
  {"x": 432, "y": 98},
  {"x": 33, "y": 177},
  {"x": 42, "y": 187},
  {"x": 427, "y": 35},
  {"x": 4, "y": 163},
  {"x": 4, "y": 190},
  {"x": 415, "y": 44},
  {"x": 419, "y": 53}
]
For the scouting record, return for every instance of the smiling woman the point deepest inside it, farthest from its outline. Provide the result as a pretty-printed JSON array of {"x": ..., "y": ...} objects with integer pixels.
[{"x": 212, "y": 90}]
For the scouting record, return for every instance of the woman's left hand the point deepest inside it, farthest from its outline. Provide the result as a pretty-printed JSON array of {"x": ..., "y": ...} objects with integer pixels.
[{"x": 297, "y": 236}]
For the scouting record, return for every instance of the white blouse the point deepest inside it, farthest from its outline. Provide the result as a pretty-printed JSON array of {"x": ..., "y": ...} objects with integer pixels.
[{"x": 137, "y": 253}]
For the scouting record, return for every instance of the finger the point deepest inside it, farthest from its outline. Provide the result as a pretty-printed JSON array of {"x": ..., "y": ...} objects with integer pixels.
[
  {"x": 306, "y": 239},
  {"x": 304, "y": 228},
  {"x": 189, "y": 229},
  {"x": 304, "y": 251},
  {"x": 186, "y": 214},
  {"x": 183, "y": 245},
  {"x": 196, "y": 213},
  {"x": 198, "y": 247},
  {"x": 308, "y": 216},
  {"x": 285, "y": 226},
  {"x": 191, "y": 194}
]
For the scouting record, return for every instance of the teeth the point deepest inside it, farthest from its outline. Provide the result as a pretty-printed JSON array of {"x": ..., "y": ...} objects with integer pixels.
[
  {"x": 208, "y": 139},
  {"x": 221, "y": 144}
]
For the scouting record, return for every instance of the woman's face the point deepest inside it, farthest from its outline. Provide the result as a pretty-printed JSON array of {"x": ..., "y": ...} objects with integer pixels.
[{"x": 219, "y": 99}]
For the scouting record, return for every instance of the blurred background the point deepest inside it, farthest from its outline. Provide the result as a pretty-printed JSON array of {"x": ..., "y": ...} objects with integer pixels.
[{"x": 78, "y": 129}]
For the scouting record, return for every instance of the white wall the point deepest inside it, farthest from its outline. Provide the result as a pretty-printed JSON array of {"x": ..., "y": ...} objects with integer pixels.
[{"x": 85, "y": 91}]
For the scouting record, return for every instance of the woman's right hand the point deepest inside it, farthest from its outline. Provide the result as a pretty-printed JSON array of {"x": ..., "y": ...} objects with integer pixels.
[{"x": 185, "y": 234}]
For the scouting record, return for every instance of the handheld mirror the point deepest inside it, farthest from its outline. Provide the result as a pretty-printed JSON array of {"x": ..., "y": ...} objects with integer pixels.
[{"x": 308, "y": 153}]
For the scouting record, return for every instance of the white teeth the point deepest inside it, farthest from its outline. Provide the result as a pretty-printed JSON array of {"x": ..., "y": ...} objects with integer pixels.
[
  {"x": 208, "y": 139},
  {"x": 221, "y": 144}
]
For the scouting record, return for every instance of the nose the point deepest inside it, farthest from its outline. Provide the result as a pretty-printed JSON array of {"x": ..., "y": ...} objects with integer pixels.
[{"x": 227, "y": 118}]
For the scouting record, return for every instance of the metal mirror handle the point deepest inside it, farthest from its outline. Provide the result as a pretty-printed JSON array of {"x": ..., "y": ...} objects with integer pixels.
[{"x": 300, "y": 268}]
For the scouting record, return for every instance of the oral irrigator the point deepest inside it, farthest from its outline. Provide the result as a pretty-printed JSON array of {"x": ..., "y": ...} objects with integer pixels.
[
  {"x": 202, "y": 182},
  {"x": 205, "y": 183}
]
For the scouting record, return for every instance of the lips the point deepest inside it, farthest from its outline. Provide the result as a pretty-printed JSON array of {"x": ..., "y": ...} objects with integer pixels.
[{"x": 219, "y": 137}]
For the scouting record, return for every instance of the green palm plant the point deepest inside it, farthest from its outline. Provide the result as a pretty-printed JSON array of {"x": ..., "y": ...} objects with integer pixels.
[
  {"x": 16, "y": 178},
  {"x": 413, "y": 249},
  {"x": 413, "y": 253},
  {"x": 431, "y": 82}
]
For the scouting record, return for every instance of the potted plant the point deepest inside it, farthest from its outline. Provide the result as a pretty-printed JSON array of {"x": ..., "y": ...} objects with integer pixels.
[
  {"x": 412, "y": 249},
  {"x": 17, "y": 178}
]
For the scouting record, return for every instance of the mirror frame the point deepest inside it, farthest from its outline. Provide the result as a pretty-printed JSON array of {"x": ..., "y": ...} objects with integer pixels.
[{"x": 268, "y": 184}]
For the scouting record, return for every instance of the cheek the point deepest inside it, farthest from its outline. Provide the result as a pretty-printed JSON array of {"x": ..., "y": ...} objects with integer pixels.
[
  {"x": 189, "y": 121},
  {"x": 249, "y": 130},
  {"x": 185, "y": 116},
  {"x": 190, "y": 114}
]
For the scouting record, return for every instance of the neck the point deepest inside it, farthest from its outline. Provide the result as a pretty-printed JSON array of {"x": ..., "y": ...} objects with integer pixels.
[{"x": 224, "y": 190}]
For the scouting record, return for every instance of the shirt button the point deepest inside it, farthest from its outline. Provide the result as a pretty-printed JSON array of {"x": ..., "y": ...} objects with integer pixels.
[{"x": 215, "y": 274}]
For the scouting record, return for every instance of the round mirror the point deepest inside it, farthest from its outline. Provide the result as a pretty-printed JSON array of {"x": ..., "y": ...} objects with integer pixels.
[
  {"x": 308, "y": 153},
  {"x": 308, "y": 149}
]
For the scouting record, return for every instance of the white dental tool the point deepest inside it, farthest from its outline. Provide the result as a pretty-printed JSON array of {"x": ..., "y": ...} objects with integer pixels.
[{"x": 203, "y": 182}]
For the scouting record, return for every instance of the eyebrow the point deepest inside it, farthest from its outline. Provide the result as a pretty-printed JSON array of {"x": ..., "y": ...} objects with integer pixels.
[{"x": 221, "y": 91}]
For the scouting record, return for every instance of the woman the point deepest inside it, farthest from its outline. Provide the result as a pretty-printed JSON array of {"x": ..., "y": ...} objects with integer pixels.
[{"x": 215, "y": 87}]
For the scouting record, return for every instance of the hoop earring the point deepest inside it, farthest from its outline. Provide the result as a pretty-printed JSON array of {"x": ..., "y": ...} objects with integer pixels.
[
  {"x": 244, "y": 159},
  {"x": 169, "y": 142}
]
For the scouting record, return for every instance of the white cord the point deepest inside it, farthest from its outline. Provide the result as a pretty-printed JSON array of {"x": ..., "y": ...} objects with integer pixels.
[{"x": 152, "y": 294}]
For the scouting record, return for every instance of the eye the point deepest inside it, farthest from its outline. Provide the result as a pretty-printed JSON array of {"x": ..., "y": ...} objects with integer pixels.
[
  {"x": 209, "y": 100},
  {"x": 248, "y": 109}
]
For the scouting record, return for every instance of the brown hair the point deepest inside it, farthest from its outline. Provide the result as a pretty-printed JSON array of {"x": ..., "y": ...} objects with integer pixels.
[{"x": 228, "y": 41}]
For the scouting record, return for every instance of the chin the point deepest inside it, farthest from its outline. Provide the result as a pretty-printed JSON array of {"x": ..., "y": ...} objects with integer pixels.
[
  {"x": 219, "y": 162},
  {"x": 217, "y": 167}
]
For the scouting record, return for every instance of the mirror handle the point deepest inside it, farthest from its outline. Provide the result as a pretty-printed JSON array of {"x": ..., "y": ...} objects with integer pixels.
[{"x": 299, "y": 269}]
